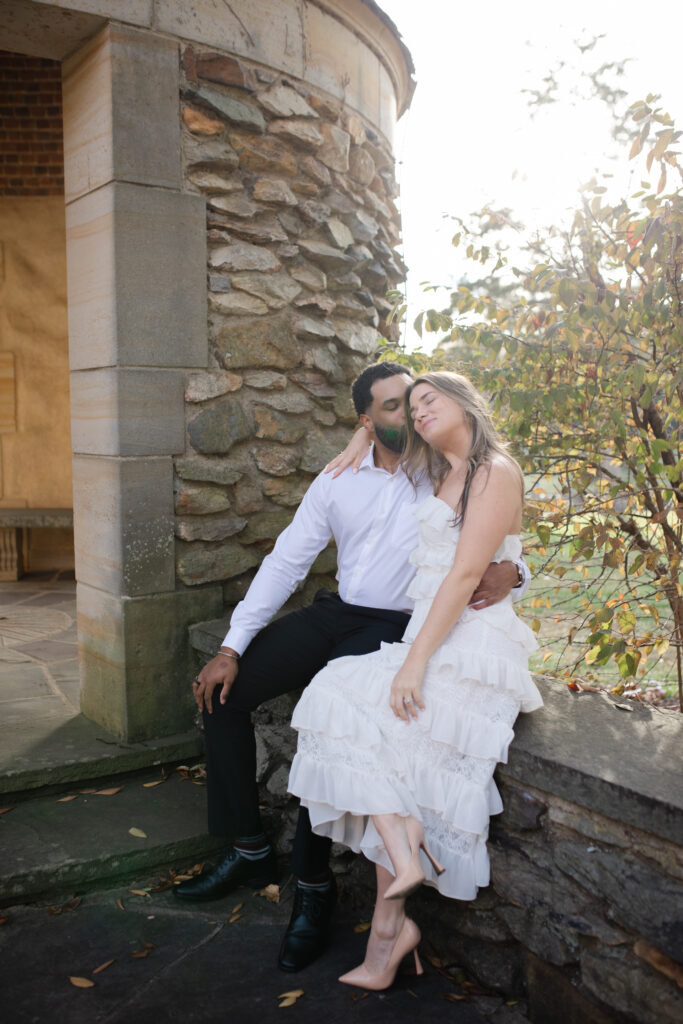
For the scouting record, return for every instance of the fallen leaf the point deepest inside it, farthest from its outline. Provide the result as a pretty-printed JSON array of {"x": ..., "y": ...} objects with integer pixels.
[
  {"x": 137, "y": 832},
  {"x": 67, "y": 799},
  {"x": 157, "y": 782},
  {"x": 4, "y": 919},
  {"x": 108, "y": 792},
  {"x": 139, "y": 954},
  {"x": 364, "y": 926},
  {"x": 181, "y": 878},
  {"x": 81, "y": 982},
  {"x": 147, "y": 945},
  {"x": 286, "y": 1002},
  {"x": 623, "y": 707},
  {"x": 103, "y": 967},
  {"x": 454, "y": 997},
  {"x": 87, "y": 792},
  {"x": 119, "y": 903},
  {"x": 237, "y": 908},
  {"x": 72, "y": 904},
  {"x": 235, "y": 917},
  {"x": 573, "y": 686},
  {"x": 140, "y": 892},
  {"x": 54, "y": 910},
  {"x": 292, "y": 994},
  {"x": 271, "y": 892},
  {"x": 357, "y": 996},
  {"x": 6, "y": 810}
]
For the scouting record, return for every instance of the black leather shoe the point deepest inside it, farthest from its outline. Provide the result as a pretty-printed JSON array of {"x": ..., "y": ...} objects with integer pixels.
[
  {"x": 308, "y": 929},
  {"x": 231, "y": 871}
]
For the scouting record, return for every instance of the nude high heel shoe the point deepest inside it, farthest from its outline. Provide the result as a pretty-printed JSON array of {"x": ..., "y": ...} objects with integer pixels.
[
  {"x": 413, "y": 876},
  {"x": 407, "y": 941}
]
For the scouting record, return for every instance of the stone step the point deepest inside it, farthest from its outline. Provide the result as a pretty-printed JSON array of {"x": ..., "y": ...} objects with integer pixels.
[
  {"x": 50, "y": 747},
  {"x": 54, "y": 848}
]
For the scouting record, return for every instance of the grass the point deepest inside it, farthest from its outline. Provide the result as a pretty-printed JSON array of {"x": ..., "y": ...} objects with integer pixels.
[{"x": 563, "y": 605}]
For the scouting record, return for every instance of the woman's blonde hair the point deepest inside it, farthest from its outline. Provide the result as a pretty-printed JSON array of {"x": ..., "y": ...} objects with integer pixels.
[{"x": 420, "y": 457}]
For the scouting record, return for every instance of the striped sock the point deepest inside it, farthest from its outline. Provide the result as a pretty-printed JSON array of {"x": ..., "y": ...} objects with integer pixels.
[{"x": 252, "y": 847}]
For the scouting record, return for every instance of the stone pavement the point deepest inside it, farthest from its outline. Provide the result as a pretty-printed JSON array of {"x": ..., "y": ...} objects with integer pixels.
[{"x": 169, "y": 961}]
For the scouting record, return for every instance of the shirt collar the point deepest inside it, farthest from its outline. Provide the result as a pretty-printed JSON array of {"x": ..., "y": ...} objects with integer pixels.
[{"x": 369, "y": 463}]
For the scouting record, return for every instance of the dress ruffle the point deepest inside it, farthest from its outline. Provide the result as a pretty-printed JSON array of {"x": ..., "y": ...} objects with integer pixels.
[{"x": 356, "y": 759}]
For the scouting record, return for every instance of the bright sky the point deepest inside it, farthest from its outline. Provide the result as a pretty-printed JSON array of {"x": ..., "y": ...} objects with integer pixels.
[{"x": 468, "y": 137}]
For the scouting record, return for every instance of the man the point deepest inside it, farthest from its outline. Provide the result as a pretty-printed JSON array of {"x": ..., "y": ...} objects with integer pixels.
[{"x": 369, "y": 514}]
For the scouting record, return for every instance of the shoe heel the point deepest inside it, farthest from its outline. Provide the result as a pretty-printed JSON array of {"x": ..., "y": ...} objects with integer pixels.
[
  {"x": 419, "y": 969},
  {"x": 439, "y": 868}
]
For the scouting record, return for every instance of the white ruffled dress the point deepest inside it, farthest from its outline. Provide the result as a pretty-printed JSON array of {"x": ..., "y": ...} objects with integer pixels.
[{"x": 355, "y": 758}]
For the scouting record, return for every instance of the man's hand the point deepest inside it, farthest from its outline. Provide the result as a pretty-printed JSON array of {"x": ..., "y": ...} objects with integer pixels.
[
  {"x": 220, "y": 671},
  {"x": 495, "y": 584}
]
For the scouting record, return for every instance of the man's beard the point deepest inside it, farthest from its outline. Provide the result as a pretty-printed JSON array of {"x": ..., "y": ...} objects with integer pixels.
[{"x": 393, "y": 438}]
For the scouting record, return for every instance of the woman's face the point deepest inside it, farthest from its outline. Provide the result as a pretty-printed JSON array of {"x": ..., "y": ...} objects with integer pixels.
[{"x": 438, "y": 419}]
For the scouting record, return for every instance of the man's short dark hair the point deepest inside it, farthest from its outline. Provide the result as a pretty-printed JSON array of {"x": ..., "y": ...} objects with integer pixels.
[{"x": 360, "y": 389}]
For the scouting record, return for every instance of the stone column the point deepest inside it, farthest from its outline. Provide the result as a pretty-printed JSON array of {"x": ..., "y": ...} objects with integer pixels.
[{"x": 136, "y": 252}]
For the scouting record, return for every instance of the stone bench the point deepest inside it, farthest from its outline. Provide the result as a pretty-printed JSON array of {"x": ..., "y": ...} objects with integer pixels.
[
  {"x": 13, "y": 524},
  {"x": 583, "y": 914}
]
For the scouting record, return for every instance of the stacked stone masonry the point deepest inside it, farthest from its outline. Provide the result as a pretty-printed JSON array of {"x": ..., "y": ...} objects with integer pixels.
[{"x": 302, "y": 226}]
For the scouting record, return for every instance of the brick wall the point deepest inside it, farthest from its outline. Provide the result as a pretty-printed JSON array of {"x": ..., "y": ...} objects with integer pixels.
[{"x": 31, "y": 153}]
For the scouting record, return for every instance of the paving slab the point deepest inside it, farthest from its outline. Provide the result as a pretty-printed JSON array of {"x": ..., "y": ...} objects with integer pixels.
[
  {"x": 63, "y": 841},
  {"x": 193, "y": 965}
]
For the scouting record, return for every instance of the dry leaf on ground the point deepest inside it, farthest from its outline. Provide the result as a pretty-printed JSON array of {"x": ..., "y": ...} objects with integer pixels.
[
  {"x": 108, "y": 792},
  {"x": 87, "y": 792},
  {"x": 139, "y": 954},
  {"x": 67, "y": 799},
  {"x": 363, "y": 926},
  {"x": 454, "y": 997},
  {"x": 289, "y": 998},
  {"x": 140, "y": 892},
  {"x": 137, "y": 832},
  {"x": 357, "y": 996},
  {"x": 4, "y": 919},
  {"x": 81, "y": 982},
  {"x": 623, "y": 707},
  {"x": 103, "y": 967},
  {"x": 271, "y": 892},
  {"x": 119, "y": 903},
  {"x": 6, "y": 810},
  {"x": 235, "y": 917},
  {"x": 236, "y": 910},
  {"x": 147, "y": 945},
  {"x": 157, "y": 782}
]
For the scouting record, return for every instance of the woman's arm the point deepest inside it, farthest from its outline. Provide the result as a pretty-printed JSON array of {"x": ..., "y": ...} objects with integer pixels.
[
  {"x": 492, "y": 512},
  {"x": 353, "y": 454}
]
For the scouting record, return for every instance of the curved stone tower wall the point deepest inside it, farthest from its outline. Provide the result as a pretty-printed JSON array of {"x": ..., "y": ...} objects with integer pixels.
[{"x": 302, "y": 226}]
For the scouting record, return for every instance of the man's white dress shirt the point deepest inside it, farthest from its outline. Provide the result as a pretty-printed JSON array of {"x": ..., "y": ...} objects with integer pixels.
[{"x": 370, "y": 516}]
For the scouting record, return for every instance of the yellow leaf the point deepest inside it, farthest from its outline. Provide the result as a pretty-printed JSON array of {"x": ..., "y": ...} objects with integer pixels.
[
  {"x": 103, "y": 966},
  {"x": 294, "y": 994},
  {"x": 286, "y": 1002},
  {"x": 235, "y": 917},
  {"x": 81, "y": 982},
  {"x": 237, "y": 908},
  {"x": 271, "y": 892},
  {"x": 363, "y": 926},
  {"x": 67, "y": 799},
  {"x": 157, "y": 782},
  {"x": 108, "y": 792},
  {"x": 137, "y": 832},
  {"x": 119, "y": 903},
  {"x": 140, "y": 892},
  {"x": 547, "y": 655}
]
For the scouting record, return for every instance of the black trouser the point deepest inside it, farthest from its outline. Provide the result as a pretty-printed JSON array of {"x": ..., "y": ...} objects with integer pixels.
[{"x": 283, "y": 657}]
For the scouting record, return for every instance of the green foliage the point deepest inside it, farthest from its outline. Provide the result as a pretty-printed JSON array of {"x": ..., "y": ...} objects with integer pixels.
[{"x": 583, "y": 361}]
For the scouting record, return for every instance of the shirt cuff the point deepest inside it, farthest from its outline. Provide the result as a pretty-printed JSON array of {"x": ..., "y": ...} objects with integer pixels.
[
  {"x": 519, "y": 591},
  {"x": 238, "y": 640}
]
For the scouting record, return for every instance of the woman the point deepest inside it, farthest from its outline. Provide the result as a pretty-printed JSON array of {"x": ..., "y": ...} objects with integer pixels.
[{"x": 397, "y": 749}]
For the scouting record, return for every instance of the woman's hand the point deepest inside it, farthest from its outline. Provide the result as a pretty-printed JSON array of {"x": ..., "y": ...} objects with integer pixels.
[
  {"x": 353, "y": 454},
  {"x": 406, "y": 692}
]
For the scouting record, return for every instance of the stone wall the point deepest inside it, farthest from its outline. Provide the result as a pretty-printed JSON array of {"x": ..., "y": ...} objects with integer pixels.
[
  {"x": 583, "y": 914},
  {"x": 301, "y": 229}
]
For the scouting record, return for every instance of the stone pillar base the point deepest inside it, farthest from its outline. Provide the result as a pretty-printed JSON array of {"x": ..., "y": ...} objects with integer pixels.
[{"x": 136, "y": 669}]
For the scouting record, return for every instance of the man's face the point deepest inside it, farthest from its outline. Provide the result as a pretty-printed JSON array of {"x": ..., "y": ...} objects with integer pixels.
[{"x": 385, "y": 419}]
